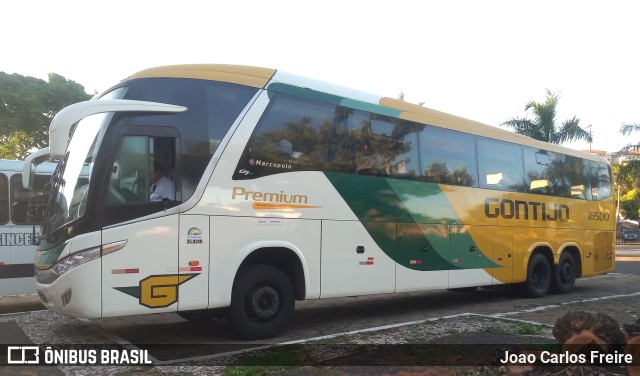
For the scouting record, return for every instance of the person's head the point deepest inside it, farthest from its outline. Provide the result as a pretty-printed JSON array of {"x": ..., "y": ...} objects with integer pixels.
[{"x": 157, "y": 171}]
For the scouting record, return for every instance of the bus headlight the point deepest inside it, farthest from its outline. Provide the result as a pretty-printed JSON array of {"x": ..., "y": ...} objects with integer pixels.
[{"x": 74, "y": 260}]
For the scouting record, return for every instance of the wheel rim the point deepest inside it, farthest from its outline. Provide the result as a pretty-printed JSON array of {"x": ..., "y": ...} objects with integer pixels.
[
  {"x": 262, "y": 303},
  {"x": 566, "y": 272}
]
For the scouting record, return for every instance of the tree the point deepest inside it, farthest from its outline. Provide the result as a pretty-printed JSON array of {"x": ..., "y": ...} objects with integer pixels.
[
  {"x": 630, "y": 204},
  {"x": 627, "y": 129},
  {"x": 543, "y": 125},
  {"x": 27, "y": 105},
  {"x": 401, "y": 97}
]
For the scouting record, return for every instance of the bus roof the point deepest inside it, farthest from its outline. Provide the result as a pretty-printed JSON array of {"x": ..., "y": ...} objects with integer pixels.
[{"x": 270, "y": 78}]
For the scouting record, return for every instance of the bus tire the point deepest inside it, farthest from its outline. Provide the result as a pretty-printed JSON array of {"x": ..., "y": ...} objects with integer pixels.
[
  {"x": 262, "y": 302},
  {"x": 538, "y": 276},
  {"x": 564, "y": 274}
]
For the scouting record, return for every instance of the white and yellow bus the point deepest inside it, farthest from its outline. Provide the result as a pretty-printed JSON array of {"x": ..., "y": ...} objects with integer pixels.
[
  {"x": 20, "y": 211},
  {"x": 288, "y": 189}
]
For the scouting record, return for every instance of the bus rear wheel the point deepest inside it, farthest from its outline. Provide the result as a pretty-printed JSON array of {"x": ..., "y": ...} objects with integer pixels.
[
  {"x": 262, "y": 302},
  {"x": 538, "y": 276},
  {"x": 564, "y": 274}
]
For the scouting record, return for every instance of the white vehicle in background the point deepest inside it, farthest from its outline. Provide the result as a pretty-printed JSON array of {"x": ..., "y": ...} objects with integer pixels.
[{"x": 20, "y": 210}]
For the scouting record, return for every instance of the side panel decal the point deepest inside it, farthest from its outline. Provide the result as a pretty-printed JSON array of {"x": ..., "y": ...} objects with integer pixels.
[{"x": 422, "y": 212}]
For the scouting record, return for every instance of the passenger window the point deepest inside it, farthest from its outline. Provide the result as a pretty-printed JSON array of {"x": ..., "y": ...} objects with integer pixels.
[
  {"x": 599, "y": 180},
  {"x": 27, "y": 205},
  {"x": 447, "y": 157},
  {"x": 574, "y": 175},
  {"x": 4, "y": 199},
  {"x": 406, "y": 161},
  {"x": 295, "y": 134},
  {"x": 500, "y": 165},
  {"x": 371, "y": 138},
  {"x": 545, "y": 173}
]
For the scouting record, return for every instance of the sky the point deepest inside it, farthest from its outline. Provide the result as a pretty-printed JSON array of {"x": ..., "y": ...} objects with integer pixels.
[{"x": 482, "y": 60}]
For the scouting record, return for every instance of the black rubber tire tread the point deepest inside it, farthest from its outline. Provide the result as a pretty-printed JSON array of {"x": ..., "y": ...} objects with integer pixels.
[
  {"x": 538, "y": 276},
  {"x": 564, "y": 274},
  {"x": 260, "y": 275}
]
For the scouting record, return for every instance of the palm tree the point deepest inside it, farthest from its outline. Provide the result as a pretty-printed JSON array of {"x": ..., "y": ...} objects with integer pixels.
[
  {"x": 543, "y": 125},
  {"x": 627, "y": 129}
]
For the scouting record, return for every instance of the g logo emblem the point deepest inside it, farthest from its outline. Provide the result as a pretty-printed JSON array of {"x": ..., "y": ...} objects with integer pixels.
[
  {"x": 157, "y": 291},
  {"x": 161, "y": 290}
]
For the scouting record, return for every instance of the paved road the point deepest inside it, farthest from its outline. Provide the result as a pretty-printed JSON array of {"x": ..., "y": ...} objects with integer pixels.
[{"x": 631, "y": 266}]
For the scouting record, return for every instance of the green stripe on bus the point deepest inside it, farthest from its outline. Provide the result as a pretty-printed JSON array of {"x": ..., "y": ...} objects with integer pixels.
[{"x": 422, "y": 216}]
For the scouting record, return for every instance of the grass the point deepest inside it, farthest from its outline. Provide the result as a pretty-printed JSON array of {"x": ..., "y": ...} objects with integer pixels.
[{"x": 529, "y": 329}]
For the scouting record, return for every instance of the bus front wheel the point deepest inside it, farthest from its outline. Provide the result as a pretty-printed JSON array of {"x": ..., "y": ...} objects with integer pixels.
[
  {"x": 262, "y": 302},
  {"x": 538, "y": 276},
  {"x": 564, "y": 275}
]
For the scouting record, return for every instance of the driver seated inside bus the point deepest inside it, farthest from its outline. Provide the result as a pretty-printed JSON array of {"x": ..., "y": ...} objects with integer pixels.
[{"x": 162, "y": 187}]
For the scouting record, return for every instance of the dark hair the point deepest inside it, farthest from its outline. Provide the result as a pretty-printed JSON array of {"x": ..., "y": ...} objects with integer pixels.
[{"x": 157, "y": 166}]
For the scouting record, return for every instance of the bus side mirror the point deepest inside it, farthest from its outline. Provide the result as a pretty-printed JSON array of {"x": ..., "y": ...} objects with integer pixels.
[
  {"x": 29, "y": 178},
  {"x": 29, "y": 166}
]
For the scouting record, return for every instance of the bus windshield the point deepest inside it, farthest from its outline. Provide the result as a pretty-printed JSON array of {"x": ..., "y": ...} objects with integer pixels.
[{"x": 71, "y": 180}]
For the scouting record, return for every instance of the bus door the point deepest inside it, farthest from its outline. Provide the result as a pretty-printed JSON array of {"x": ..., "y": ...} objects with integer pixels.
[
  {"x": 141, "y": 274},
  {"x": 141, "y": 277},
  {"x": 193, "y": 262}
]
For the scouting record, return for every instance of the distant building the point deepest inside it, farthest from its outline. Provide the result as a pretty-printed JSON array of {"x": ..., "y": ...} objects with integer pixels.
[{"x": 620, "y": 157}]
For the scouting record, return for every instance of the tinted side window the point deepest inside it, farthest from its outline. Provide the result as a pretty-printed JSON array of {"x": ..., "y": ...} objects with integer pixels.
[
  {"x": 371, "y": 141},
  {"x": 575, "y": 177},
  {"x": 500, "y": 165},
  {"x": 406, "y": 161},
  {"x": 383, "y": 146},
  {"x": 4, "y": 199},
  {"x": 544, "y": 173},
  {"x": 27, "y": 204},
  {"x": 599, "y": 180},
  {"x": 296, "y": 134},
  {"x": 448, "y": 157}
]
